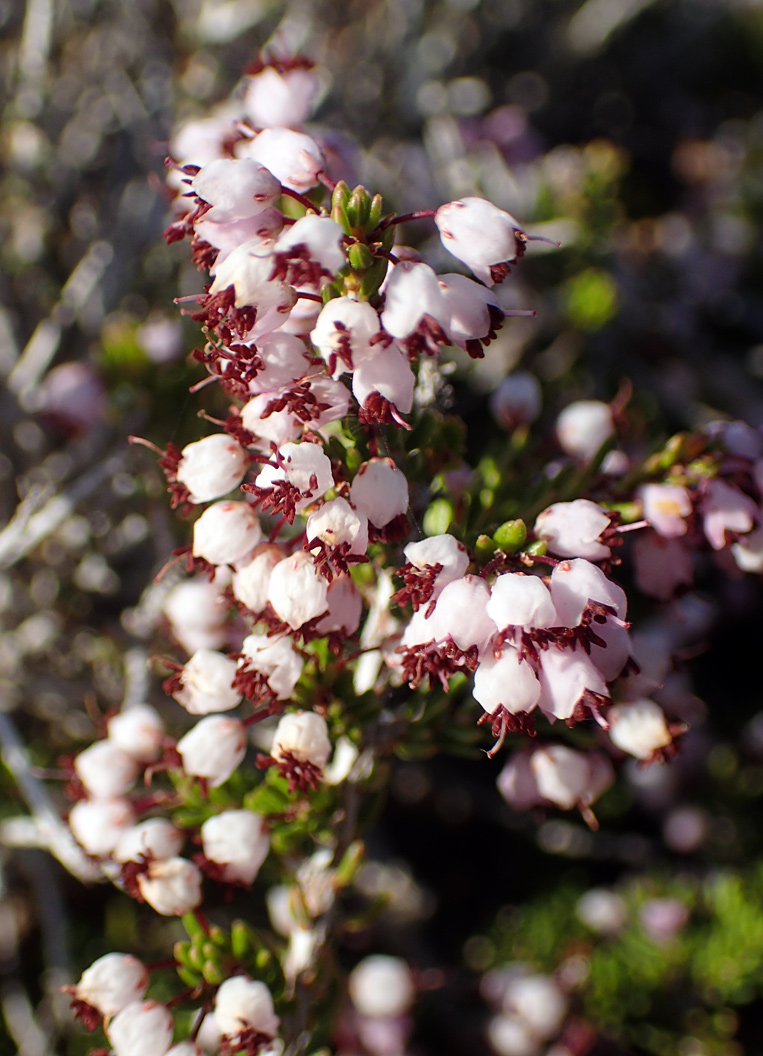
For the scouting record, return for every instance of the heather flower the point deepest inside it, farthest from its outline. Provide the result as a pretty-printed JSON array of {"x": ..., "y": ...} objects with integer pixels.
[
  {"x": 105, "y": 770},
  {"x": 251, "y": 581},
  {"x": 639, "y": 728},
  {"x": 666, "y": 507},
  {"x": 278, "y": 97},
  {"x": 302, "y": 735},
  {"x": 725, "y": 509},
  {"x": 517, "y": 400},
  {"x": 142, "y": 1028},
  {"x": 244, "y": 1005},
  {"x": 381, "y": 986},
  {"x": 481, "y": 235},
  {"x": 662, "y": 566},
  {"x": 238, "y": 841},
  {"x": 583, "y": 426},
  {"x": 213, "y": 749},
  {"x": 293, "y": 157},
  {"x": 112, "y": 982},
  {"x": 206, "y": 683},
  {"x": 154, "y": 838},
  {"x": 575, "y": 529},
  {"x": 138, "y": 731},
  {"x": 97, "y": 824},
  {"x": 519, "y": 600},
  {"x": 275, "y": 659},
  {"x": 297, "y": 591},
  {"x": 211, "y": 467},
  {"x": 235, "y": 189},
  {"x": 226, "y": 532},
  {"x": 380, "y": 490},
  {"x": 171, "y": 886}
]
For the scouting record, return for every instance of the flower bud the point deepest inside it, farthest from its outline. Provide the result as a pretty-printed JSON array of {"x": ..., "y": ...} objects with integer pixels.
[{"x": 237, "y": 840}]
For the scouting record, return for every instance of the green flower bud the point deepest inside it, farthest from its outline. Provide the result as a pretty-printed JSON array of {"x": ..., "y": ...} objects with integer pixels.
[{"x": 511, "y": 536}]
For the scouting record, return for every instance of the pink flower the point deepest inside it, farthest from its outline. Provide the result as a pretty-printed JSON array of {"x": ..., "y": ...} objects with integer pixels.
[
  {"x": 725, "y": 509},
  {"x": 666, "y": 507}
]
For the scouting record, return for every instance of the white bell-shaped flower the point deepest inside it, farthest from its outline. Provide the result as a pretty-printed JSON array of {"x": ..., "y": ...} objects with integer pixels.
[
  {"x": 583, "y": 426},
  {"x": 197, "y": 611},
  {"x": 154, "y": 838},
  {"x": 237, "y": 840},
  {"x": 206, "y": 683},
  {"x": 305, "y": 467},
  {"x": 666, "y": 507},
  {"x": 411, "y": 292},
  {"x": 321, "y": 239},
  {"x": 105, "y": 770},
  {"x": 303, "y": 735},
  {"x": 264, "y": 227},
  {"x": 171, "y": 886},
  {"x": 345, "y": 606},
  {"x": 293, "y": 157},
  {"x": 381, "y": 986},
  {"x": 388, "y": 373},
  {"x": 297, "y": 591},
  {"x": 243, "y": 1004},
  {"x": 281, "y": 98},
  {"x": 211, "y": 467},
  {"x": 137, "y": 730},
  {"x": 343, "y": 333},
  {"x": 283, "y": 361},
  {"x": 725, "y": 509},
  {"x": 507, "y": 681},
  {"x": 639, "y": 728},
  {"x": 478, "y": 233},
  {"x": 562, "y": 775},
  {"x": 380, "y": 490},
  {"x": 443, "y": 550},
  {"x": 517, "y": 783},
  {"x": 576, "y": 583},
  {"x": 519, "y": 600},
  {"x": 235, "y": 189},
  {"x": 574, "y": 529},
  {"x": 251, "y": 581},
  {"x": 277, "y": 659},
  {"x": 270, "y": 426},
  {"x": 461, "y": 614},
  {"x": 466, "y": 301},
  {"x": 566, "y": 676},
  {"x": 248, "y": 269},
  {"x": 112, "y": 982},
  {"x": 97, "y": 824},
  {"x": 336, "y": 523},
  {"x": 142, "y": 1028},
  {"x": 226, "y": 532},
  {"x": 213, "y": 748},
  {"x": 537, "y": 1002}
]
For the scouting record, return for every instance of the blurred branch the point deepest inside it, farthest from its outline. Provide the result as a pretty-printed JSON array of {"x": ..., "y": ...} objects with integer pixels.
[
  {"x": 43, "y": 344},
  {"x": 44, "y": 829},
  {"x": 30, "y": 525}
]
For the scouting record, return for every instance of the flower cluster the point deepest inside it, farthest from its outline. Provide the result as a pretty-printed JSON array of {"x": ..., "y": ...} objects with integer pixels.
[{"x": 323, "y": 336}]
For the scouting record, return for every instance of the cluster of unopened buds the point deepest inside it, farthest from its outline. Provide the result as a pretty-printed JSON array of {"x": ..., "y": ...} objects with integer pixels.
[{"x": 316, "y": 325}]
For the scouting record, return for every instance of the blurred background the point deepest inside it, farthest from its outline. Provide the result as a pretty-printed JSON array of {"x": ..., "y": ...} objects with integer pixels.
[{"x": 629, "y": 130}]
